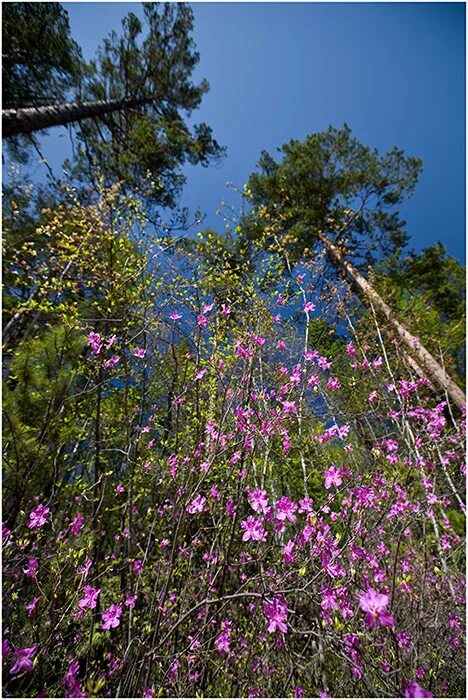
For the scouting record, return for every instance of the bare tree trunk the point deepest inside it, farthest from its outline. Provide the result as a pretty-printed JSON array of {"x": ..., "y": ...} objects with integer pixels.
[
  {"x": 29, "y": 119},
  {"x": 434, "y": 371}
]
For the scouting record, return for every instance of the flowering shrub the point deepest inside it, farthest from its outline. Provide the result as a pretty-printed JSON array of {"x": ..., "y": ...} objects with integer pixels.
[{"x": 235, "y": 509}]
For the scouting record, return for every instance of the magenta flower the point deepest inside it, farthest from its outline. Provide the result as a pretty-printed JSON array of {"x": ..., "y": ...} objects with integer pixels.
[
  {"x": 223, "y": 641},
  {"x": 374, "y": 605},
  {"x": 33, "y": 565},
  {"x": 130, "y": 600},
  {"x": 253, "y": 530},
  {"x": 5, "y": 533},
  {"x": 119, "y": 489},
  {"x": 38, "y": 516},
  {"x": 285, "y": 509},
  {"x": 174, "y": 316},
  {"x": 111, "y": 362},
  {"x": 30, "y": 607},
  {"x": 197, "y": 505},
  {"x": 111, "y": 617},
  {"x": 276, "y": 613},
  {"x": 288, "y": 556},
  {"x": 77, "y": 524},
  {"x": 202, "y": 321},
  {"x": 23, "y": 660},
  {"x": 71, "y": 682},
  {"x": 139, "y": 352},
  {"x": 259, "y": 501},
  {"x": 95, "y": 342},
  {"x": 332, "y": 477},
  {"x": 89, "y": 599},
  {"x": 137, "y": 566},
  {"x": 333, "y": 384},
  {"x": 85, "y": 568},
  {"x": 412, "y": 689}
]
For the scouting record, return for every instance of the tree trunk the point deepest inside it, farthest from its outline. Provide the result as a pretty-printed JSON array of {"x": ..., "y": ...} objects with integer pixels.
[
  {"x": 29, "y": 119},
  {"x": 434, "y": 371}
]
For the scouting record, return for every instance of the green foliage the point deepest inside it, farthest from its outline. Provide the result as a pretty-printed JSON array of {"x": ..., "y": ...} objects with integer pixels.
[
  {"x": 40, "y": 61},
  {"x": 331, "y": 183},
  {"x": 427, "y": 293},
  {"x": 154, "y": 69}
]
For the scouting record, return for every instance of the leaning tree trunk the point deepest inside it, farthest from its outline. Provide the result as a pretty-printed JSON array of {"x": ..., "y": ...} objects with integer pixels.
[
  {"x": 434, "y": 371},
  {"x": 26, "y": 120}
]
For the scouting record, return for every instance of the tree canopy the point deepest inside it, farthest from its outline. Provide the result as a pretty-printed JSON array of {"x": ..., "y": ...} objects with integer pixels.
[{"x": 333, "y": 183}]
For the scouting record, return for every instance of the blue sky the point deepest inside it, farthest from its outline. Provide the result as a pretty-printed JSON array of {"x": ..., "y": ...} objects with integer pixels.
[{"x": 395, "y": 72}]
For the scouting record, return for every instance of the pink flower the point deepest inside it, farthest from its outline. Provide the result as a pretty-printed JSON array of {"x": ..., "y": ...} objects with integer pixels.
[
  {"x": 23, "y": 660},
  {"x": 281, "y": 345},
  {"x": 94, "y": 341},
  {"x": 38, "y": 516},
  {"x": 33, "y": 565},
  {"x": 309, "y": 306},
  {"x": 305, "y": 505},
  {"x": 30, "y": 607},
  {"x": 77, "y": 524},
  {"x": 201, "y": 374},
  {"x": 259, "y": 501},
  {"x": 288, "y": 556},
  {"x": 130, "y": 599},
  {"x": 333, "y": 384},
  {"x": 207, "y": 308},
  {"x": 174, "y": 316},
  {"x": 85, "y": 568},
  {"x": 119, "y": 489},
  {"x": 374, "y": 605},
  {"x": 5, "y": 647},
  {"x": 89, "y": 599},
  {"x": 197, "y": 505},
  {"x": 332, "y": 477},
  {"x": 71, "y": 682},
  {"x": 285, "y": 509},
  {"x": 253, "y": 530},
  {"x": 110, "y": 341},
  {"x": 139, "y": 352},
  {"x": 111, "y": 362},
  {"x": 137, "y": 565},
  {"x": 276, "y": 613},
  {"x": 412, "y": 689},
  {"x": 202, "y": 321},
  {"x": 223, "y": 640},
  {"x": 225, "y": 310},
  {"x": 111, "y": 617},
  {"x": 351, "y": 350}
]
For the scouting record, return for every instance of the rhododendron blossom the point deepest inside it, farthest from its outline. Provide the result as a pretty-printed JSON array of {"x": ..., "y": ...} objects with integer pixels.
[
  {"x": 111, "y": 617},
  {"x": 24, "y": 660},
  {"x": 276, "y": 614},
  {"x": 253, "y": 530},
  {"x": 90, "y": 596},
  {"x": 38, "y": 517},
  {"x": 374, "y": 605}
]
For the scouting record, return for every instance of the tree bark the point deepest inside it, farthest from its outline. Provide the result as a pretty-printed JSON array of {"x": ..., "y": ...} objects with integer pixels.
[
  {"x": 26, "y": 120},
  {"x": 434, "y": 371}
]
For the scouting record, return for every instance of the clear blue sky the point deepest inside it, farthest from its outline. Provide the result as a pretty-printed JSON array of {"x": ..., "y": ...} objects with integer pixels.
[{"x": 395, "y": 72}]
